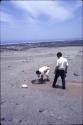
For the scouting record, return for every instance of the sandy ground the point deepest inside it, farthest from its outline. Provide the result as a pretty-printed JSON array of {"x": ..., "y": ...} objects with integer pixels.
[{"x": 40, "y": 104}]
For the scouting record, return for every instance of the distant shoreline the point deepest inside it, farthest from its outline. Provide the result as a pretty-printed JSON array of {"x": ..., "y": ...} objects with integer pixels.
[{"x": 26, "y": 46}]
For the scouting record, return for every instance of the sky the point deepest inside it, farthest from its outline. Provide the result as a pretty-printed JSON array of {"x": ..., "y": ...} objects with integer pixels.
[{"x": 40, "y": 20}]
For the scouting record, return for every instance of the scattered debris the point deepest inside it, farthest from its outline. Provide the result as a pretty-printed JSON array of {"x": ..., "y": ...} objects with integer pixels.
[
  {"x": 12, "y": 85},
  {"x": 22, "y": 70},
  {"x": 41, "y": 110},
  {"x": 20, "y": 121},
  {"x": 3, "y": 119},
  {"x": 24, "y": 86},
  {"x": 75, "y": 74},
  {"x": 9, "y": 66},
  {"x": 17, "y": 104},
  {"x": 23, "y": 61}
]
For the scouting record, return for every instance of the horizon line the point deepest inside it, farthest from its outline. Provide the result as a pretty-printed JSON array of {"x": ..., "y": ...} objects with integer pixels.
[{"x": 40, "y": 41}]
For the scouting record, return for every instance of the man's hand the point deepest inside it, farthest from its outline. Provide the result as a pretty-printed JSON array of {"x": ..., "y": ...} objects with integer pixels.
[
  {"x": 65, "y": 72},
  {"x": 66, "y": 69}
]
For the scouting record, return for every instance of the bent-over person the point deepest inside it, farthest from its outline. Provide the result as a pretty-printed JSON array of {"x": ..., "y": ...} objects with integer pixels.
[{"x": 43, "y": 72}]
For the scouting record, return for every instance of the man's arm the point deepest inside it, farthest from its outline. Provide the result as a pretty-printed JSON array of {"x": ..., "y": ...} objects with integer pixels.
[
  {"x": 57, "y": 66},
  {"x": 66, "y": 69}
]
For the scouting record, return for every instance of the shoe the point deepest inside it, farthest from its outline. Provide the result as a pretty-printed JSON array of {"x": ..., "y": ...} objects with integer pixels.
[
  {"x": 63, "y": 87},
  {"x": 53, "y": 86}
]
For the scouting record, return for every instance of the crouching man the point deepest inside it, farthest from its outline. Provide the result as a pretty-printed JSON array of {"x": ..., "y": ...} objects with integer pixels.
[{"x": 43, "y": 72}]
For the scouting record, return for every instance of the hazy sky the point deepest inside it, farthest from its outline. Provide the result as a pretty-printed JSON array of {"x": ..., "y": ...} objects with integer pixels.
[{"x": 40, "y": 20}]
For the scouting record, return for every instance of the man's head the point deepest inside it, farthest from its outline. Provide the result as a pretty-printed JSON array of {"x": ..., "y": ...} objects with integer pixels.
[
  {"x": 38, "y": 73},
  {"x": 59, "y": 54}
]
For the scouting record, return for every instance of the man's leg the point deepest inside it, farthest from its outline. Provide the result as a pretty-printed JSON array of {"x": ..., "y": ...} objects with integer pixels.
[
  {"x": 55, "y": 79},
  {"x": 63, "y": 78}
]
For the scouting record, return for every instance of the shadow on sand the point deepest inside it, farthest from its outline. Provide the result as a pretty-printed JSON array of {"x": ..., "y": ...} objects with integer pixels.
[
  {"x": 39, "y": 81},
  {"x": 58, "y": 86}
]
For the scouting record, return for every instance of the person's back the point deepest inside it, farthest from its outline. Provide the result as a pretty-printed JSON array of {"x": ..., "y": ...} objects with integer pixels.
[
  {"x": 43, "y": 71},
  {"x": 62, "y": 63}
]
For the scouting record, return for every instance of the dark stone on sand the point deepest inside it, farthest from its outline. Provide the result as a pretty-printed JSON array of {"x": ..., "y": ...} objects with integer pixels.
[
  {"x": 41, "y": 110},
  {"x": 12, "y": 85},
  {"x": 20, "y": 121},
  {"x": 3, "y": 119},
  {"x": 17, "y": 121},
  {"x": 22, "y": 70},
  {"x": 17, "y": 104},
  {"x": 9, "y": 66},
  {"x": 75, "y": 74}
]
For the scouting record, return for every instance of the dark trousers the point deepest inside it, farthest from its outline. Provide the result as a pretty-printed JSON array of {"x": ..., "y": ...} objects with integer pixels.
[{"x": 62, "y": 74}]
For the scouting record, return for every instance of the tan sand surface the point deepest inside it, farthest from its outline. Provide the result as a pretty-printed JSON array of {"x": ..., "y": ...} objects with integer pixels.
[{"x": 40, "y": 104}]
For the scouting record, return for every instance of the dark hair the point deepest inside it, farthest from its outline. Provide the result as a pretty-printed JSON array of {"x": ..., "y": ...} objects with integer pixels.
[
  {"x": 38, "y": 72},
  {"x": 59, "y": 54}
]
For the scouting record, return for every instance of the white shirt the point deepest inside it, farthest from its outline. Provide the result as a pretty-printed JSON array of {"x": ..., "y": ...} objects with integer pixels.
[
  {"x": 62, "y": 63},
  {"x": 44, "y": 69}
]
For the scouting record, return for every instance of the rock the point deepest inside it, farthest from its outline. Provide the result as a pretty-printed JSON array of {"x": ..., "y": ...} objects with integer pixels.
[
  {"x": 17, "y": 104},
  {"x": 24, "y": 86},
  {"x": 9, "y": 66},
  {"x": 75, "y": 74},
  {"x": 41, "y": 110},
  {"x": 12, "y": 85},
  {"x": 22, "y": 70},
  {"x": 3, "y": 119},
  {"x": 20, "y": 121}
]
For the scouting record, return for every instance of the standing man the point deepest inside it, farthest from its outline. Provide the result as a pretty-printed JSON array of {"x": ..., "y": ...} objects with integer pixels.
[
  {"x": 60, "y": 70},
  {"x": 43, "y": 72}
]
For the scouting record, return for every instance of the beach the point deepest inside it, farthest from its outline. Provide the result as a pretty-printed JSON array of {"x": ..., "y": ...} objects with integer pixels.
[{"x": 40, "y": 104}]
